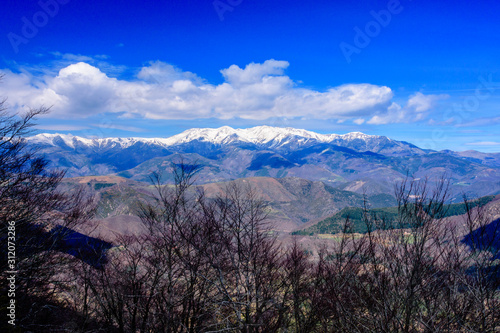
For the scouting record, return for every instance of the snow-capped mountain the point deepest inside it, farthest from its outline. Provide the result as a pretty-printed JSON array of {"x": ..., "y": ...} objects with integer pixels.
[
  {"x": 264, "y": 136},
  {"x": 353, "y": 161}
]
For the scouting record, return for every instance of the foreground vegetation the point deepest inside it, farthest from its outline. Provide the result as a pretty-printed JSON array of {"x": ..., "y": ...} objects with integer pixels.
[{"x": 213, "y": 265}]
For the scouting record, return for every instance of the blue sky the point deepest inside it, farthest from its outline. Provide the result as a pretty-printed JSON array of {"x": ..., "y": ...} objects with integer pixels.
[{"x": 426, "y": 72}]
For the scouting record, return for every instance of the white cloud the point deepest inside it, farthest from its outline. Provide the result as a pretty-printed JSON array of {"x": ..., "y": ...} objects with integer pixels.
[
  {"x": 160, "y": 72},
  {"x": 394, "y": 114},
  {"x": 162, "y": 91},
  {"x": 254, "y": 73},
  {"x": 421, "y": 103},
  {"x": 415, "y": 110},
  {"x": 118, "y": 127},
  {"x": 483, "y": 143},
  {"x": 61, "y": 127},
  {"x": 72, "y": 57},
  {"x": 483, "y": 121}
]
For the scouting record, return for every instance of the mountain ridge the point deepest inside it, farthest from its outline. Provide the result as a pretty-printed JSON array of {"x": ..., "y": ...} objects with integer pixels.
[
  {"x": 260, "y": 135},
  {"x": 355, "y": 161}
]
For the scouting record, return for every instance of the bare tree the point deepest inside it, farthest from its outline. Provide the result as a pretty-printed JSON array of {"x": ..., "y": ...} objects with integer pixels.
[
  {"x": 481, "y": 281},
  {"x": 303, "y": 289},
  {"x": 204, "y": 265},
  {"x": 246, "y": 260},
  {"x": 31, "y": 206},
  {"x": 421, "y": 272}
]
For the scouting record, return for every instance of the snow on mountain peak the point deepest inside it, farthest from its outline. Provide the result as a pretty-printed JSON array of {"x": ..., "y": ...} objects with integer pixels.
[
  {"x": 275, "y": 136},
  {"x": 257, "y": 135},
  {"x": 356, "y": 135},
  {"x": 51, "y": 139}
]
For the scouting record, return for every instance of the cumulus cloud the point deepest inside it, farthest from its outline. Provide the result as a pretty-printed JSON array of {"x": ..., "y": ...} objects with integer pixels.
[
  {"x": 254, "y": 73},
  {"x": 161, "y": 91},
  {"x": 421, "y": 103},
  {"x": 415, "y": 110},
  {"x": 160, "y": 72}
]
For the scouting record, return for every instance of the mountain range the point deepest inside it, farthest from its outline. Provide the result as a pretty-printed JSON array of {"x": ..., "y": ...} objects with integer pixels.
[{"x": 356, "y": 162}]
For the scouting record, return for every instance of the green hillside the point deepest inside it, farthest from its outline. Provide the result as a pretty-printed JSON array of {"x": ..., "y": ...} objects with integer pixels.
[{"x": 389, "y": 217}]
